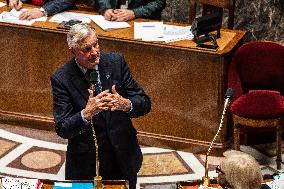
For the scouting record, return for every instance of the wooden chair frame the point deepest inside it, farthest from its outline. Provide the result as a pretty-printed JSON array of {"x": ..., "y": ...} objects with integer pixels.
[{"x": 276, "y": 123}]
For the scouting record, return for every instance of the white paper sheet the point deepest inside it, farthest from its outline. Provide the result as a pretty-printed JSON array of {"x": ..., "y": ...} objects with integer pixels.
[
  {"x": 66, "y": 16},
  {"x": 176, "y": 33},
  {"x": 157, "y": 31},
  {"x": 2, "y": 4},
  {"x": 108, "y": 25},
  {"x": 148, "y": 31},
  {"x": 20, "y": 183},
  {"x": 13, "y": 17}
]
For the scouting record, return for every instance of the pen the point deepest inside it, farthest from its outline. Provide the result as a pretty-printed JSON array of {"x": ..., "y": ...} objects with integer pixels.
[{"x": 149, "y": 26}]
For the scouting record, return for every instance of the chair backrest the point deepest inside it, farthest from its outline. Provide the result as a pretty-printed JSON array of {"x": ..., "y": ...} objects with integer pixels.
[
  {"x": 210, "y": 6},
  {"x": 259, "y": 65}
]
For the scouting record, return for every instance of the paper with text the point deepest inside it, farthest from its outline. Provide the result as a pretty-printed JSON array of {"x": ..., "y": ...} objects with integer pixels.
[
  {"x": 176, "y": 33},
  {"x": 13, "y": 17},
  {"x": 148, "y": 31},
  {"x": 157, "y": 31},
  {"x": 108, "y": 25},
  {"x": 21, "y": 183}
]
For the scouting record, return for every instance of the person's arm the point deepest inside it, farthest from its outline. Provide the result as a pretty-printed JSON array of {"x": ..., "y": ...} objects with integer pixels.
[
  {"x": 68, "y": 123},
  {"x": 48, "y": 9},
  {"x": 152, "y": 8},
  {"x": 55, "y": 6},
  {"x": 141, "y": 103}
]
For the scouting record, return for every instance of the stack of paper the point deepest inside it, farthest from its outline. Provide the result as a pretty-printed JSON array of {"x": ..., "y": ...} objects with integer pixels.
[
  {"x": 66, "y": 16},
  {"x": 157, "y": 31},
  {"x": 176, "y": 33},
  {"x": 13, "y": 17},
  {"x": 108, "y": 25},
  {"x": 21, "y": 183},
  {"x": 148, "y": 31}
]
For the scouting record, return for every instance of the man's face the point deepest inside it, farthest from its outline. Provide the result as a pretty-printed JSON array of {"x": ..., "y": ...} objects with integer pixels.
[{"x": 87, "y": 54}]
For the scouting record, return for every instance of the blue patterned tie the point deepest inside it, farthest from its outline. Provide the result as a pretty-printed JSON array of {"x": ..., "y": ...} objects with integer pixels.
[
  {"x": 99, "y": 87},
  {"x": 93, "y": 77}
]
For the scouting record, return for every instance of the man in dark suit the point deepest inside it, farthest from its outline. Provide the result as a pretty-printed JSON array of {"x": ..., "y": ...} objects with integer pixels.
[{"x": 117, "y": 98}]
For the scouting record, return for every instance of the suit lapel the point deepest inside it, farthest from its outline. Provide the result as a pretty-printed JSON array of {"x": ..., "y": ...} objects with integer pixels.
[
  {"x": 81, "y": 84},
  {"x": 105, "y": 77},
  {"x": 78, "y": 80}
]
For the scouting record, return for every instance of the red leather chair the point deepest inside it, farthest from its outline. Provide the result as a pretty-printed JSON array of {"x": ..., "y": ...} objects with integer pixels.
[{"x": 256, "y": 76}]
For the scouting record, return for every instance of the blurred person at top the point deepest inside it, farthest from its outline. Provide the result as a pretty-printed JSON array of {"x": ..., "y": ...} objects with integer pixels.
[
  {"x": 125, "y": 10},
  {"x": 44, "y": 7}
]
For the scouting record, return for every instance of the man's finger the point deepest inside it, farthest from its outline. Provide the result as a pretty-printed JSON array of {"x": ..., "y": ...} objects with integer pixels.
[
  {"x": 23, "y": 17},
  {"x": 113, "y": 90},
  {"x": 91, "y": 93}
]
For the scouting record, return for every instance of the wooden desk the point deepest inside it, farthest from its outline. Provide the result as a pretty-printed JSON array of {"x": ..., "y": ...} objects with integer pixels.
[{"x": 186, "y": 84}]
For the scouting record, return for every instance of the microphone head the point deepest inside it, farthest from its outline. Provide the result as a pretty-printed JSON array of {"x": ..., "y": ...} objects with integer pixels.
[
  {"x": 93, "y": 77},
  {"x": 229, "y": 93}
]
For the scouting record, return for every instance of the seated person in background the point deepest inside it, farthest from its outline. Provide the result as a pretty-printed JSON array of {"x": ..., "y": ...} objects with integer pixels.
[
  {"x": 121, "y": 10},
  {"x": 239, "y": 171},
  {"x": 48, "y": 7}
]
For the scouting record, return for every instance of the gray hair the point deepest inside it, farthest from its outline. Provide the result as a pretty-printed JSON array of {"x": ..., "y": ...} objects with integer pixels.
[
  {"x": 241, "y": 170},
  {"x": 78, "y": 33}
]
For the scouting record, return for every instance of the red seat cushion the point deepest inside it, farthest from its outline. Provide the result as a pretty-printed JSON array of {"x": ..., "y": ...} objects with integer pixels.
[{"x": 259, "y": 104}]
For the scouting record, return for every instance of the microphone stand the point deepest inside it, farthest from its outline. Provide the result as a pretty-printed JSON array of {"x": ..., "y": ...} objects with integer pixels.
[
  {"x": 98, "y": 180},
  {"x": 228, "y": 96}
]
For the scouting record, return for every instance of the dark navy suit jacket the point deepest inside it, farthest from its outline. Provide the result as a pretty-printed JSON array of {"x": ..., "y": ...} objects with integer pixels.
[
  {"x": 55, "y": 6},
  {"x": 70, "y": 96}
]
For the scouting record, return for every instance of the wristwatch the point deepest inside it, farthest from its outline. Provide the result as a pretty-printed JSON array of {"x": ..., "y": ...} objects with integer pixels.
[{"x": 43, "y": 11}]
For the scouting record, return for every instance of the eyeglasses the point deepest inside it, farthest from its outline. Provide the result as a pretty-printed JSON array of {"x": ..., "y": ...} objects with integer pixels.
[{"x": 218, "y": 169}]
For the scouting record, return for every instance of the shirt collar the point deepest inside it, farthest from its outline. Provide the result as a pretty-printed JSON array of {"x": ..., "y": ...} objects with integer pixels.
[{"x": 83, "y": 69}]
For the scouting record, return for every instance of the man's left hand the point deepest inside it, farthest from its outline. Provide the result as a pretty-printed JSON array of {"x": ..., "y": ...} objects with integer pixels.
[
  {"x": 31, "y": 13},
  {"x": 122, "y": 15},
  {"x": 117, "y": 102}
]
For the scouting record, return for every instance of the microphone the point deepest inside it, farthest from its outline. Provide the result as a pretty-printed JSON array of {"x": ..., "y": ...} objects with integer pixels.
[
  {"x": 228, "y": 97},
  {"x": 93, "y": 80},
  {"x": 93, "y": 77},
  {"x": 97, "y": 179}
]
